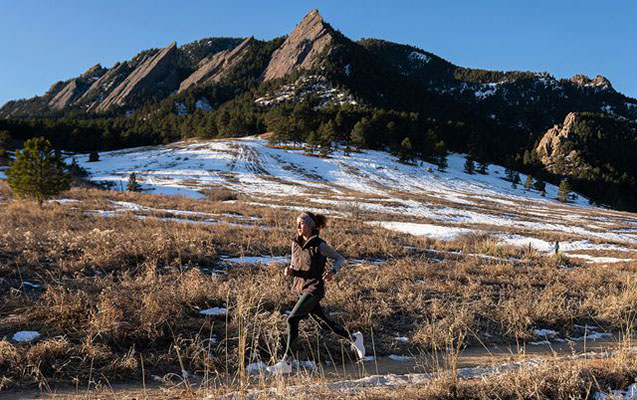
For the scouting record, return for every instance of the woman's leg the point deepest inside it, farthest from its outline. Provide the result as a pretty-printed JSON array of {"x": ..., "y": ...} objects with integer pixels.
[
  {"x": 319, "y": 316},
  {"x": 301, "y": 310}
]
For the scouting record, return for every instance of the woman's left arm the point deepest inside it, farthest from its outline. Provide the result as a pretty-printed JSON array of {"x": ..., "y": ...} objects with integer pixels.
[{"x": 327, "y": 251}]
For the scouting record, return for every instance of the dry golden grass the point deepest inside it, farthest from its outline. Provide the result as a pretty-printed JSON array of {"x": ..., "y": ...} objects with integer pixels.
[{"x": 121, "y": 292}]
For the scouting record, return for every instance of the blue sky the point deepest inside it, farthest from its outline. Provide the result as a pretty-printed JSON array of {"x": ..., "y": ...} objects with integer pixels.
[{"x": 49, "y": 40}]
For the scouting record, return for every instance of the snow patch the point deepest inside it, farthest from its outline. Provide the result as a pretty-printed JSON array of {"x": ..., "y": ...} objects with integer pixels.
[
  {"x": 203, "y": 105},
  {"x": 397, "y": 357},
  {"x": 265, "y": 259},
  {"x": 215, "y": 311},
  {"x": 419, "y": 57},
  {"x": 255, "y": 368},
  {"x": 488, "y": 89},
  {"x": 432, "y": 231},
  {"x": 544, "y": 332},
  {"x": 25, "y": 336},
  {"x": 181, "y": 109}
]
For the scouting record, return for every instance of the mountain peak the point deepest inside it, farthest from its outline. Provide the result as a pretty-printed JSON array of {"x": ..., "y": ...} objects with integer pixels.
[
  {"x": 584, "y": 81},
  {"x": 302, "y": 48}
]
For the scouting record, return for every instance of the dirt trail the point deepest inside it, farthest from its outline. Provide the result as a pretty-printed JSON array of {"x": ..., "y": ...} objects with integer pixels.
[{"x": 469, "y": 358}]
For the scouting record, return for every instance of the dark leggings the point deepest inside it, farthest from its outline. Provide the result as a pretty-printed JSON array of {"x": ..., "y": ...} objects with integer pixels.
[{"x": 308, "y": 305}]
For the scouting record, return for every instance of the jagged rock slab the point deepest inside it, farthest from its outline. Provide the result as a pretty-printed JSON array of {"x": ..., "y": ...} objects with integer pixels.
[
  {"x": 159, "y": 68},
  {"x": 302, "y": 49},
  {"x": 213, "y": 68},
  {"x": 101, "y": 87},
  {"x": 73, "y": 90}
]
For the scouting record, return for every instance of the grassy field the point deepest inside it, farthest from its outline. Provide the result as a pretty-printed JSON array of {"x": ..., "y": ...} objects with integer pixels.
[{"x": 116, "y": 298}]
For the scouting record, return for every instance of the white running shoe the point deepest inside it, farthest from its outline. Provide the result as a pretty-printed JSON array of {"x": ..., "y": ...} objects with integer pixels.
[
  {"x": 281, "y": 368},
  {"x": 358, "y": 345}
]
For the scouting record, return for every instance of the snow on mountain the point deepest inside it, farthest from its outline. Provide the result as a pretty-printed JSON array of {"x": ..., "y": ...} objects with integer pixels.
[
  {"x": 304, "y": 87},
  {"x": 416, "y": 198},
  {"x": 420, "y": 57}
]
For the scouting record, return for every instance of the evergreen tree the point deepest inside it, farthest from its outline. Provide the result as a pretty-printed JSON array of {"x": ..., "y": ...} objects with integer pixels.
[
  {"x": 528, "y": 184},
  {"x": 540, "y": 186},
  {"x": 442, "y": 162},
  {"x": 278, "y": 122},
  {"x": 5, "y": 140},
  {"x": 406, "y": 151},
  {"x": 38, "y": 171},
  {"x": 469, "y": 166},
  {"x": 311, "y": 142},
  {"x": 359, "y": 133},
  {"x": 515, "y": 180},
  {"x": 326, "y": 134},
  {"x": 133, "y": 185},
  {"x": 509, "y": 174},
  {"x": 76, "y": 170},
  {"x": 93, "y": 157},
  {"x": 563, "y": 191},
  {"x": 482, "y": 167}
]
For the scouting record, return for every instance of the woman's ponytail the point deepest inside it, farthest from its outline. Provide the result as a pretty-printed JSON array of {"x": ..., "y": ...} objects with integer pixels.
[{"x": 320, "y": 220}]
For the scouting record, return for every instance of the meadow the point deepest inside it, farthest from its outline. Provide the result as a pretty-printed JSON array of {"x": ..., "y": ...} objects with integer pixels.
[{"x": 115, "y": 282}]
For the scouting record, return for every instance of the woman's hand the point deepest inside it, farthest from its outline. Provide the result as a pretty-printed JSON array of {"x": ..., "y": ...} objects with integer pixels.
[
  {"x": 288, "y": 271},
  {"x": 328, "y": 275}
]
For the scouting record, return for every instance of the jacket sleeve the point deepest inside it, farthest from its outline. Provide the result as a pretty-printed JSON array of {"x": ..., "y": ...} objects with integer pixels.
[
  {"x": 327, "y": 251},
  {"x": 292, "y": 266}
]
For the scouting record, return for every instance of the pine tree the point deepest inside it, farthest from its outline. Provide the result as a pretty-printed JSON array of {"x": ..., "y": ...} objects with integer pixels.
[
  {"x": 5, "y": 140},
  {"x": 311, "y": 142},
  {"x": 405, "y": 153},
  {"x": 469, "y": 166},
  {"x": 133, "y": 186},
  {"x": 515, "y": 179},
  {"x": 93, "y": 157},
  {"x": 539, "y": 185},
  {"x": 509, "y": 174},
  {"x": 482, "y": 167},
  {"x": 563, "y": 191},
  {"x": 358, "y": 136},
  {"x": 442, "y": 163},
  {"x": 326, "y": 134},
  {"x": 76, "y": 170},
  {"x": 38, "y": 171},
  {"x": 528, "y": 184}
]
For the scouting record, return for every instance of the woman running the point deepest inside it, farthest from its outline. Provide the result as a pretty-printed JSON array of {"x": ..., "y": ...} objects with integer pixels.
[{"x": 309, "y": 256}]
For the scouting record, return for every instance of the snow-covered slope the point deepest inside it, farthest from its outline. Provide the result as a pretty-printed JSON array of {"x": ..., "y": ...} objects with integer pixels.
[
  {"x": 250, "y": 165},
  {"x": 417, "y": 199}
]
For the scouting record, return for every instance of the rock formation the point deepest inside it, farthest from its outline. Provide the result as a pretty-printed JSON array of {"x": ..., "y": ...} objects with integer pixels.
[
  {"x": 549, "y": 147},
  {"x": 301, "y": 50},
  {"x": 213, "y": 68},
  {"x": 101, "y": 87},
  {"x": 158, "y": 70},
  {"x": 585, "y": 81},
  {"x": 74, "y": 89}
]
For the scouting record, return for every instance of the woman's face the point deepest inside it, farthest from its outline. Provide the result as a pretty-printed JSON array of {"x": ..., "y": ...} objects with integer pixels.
[{"x": 303, "y": 229}]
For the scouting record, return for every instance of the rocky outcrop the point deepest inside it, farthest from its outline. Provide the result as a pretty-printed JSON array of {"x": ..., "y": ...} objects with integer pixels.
[
  {"x": 158, "y": 72},
  {"x": 74, "y": 89},
  {"x": 301, "y": 50},
  {"x": 550, "y": 150},
  {"x": 103, "y": 86},
  {"x": 213, "y": 68},
  {"x": 584, "y": 81}
]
